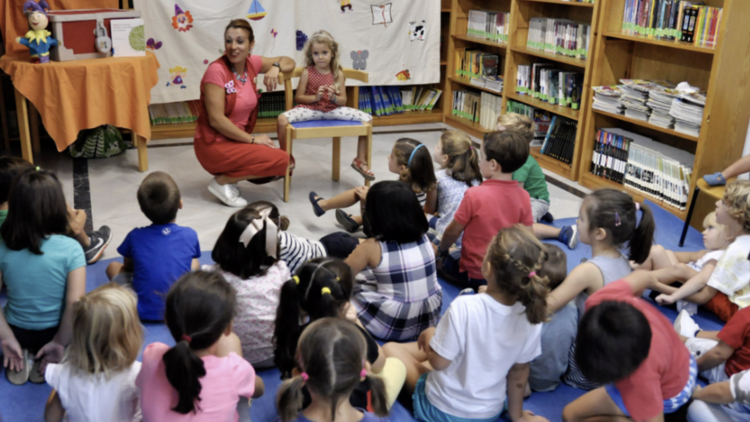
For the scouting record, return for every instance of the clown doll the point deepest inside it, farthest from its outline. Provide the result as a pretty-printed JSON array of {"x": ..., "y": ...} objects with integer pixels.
[{"x": 38, "y": 39}]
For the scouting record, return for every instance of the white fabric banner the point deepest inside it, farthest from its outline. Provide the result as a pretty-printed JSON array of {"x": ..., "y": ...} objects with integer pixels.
[{"x": 396, "y": 41}]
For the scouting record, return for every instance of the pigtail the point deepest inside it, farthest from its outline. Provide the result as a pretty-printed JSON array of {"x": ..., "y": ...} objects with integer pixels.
[
  {"x": 184, "y": 370},
  {"x": 378, "y": 394},
  {"x": 534, "y": 297},
  {"x": 289, "y": 399},
  {"x": 286, "y": 327},
  {"x": 643, "y": 236}
]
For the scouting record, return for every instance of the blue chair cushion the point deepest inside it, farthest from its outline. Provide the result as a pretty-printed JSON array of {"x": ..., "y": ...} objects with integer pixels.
[{"x": 325, "y": 123}]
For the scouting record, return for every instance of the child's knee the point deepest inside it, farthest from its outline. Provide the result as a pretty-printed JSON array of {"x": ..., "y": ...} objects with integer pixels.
[
  {"x": 392, "y": 349},
  {"x": 570, "y": 414},
  {"x": 658, "y": 250},
  {"x": 282, "y": 120}
]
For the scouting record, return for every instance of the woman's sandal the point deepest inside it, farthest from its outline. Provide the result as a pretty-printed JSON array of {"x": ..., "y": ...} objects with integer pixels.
[
  {"x": 317, "y": 209},
  {"x": 358, "y": 165},
  {"x": 716, "y": 179},
  {"x": 347, "y": 221}
]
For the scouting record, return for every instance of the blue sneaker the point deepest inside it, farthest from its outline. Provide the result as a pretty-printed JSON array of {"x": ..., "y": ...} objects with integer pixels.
[{"x": 569, "y": 236}]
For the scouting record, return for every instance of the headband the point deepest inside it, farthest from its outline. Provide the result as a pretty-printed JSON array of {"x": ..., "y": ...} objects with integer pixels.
[
  {"x": 414, "y": 151},
  {"x": 255, "y": 226}
]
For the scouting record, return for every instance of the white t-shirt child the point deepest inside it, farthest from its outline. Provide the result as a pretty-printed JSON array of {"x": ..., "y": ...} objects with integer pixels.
[
  {"x": 732, "y": 273},
  {"x": 483, "y": 339}
]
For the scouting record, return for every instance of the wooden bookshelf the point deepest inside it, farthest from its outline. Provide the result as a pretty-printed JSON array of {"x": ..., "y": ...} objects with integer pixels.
[
  {"x": 516, "y": 53},
  {"x": 721, "y": 71},
  {"x": 467, "y": 83}
]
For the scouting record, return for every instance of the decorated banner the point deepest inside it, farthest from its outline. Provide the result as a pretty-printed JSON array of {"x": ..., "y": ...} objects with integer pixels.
[{"x": 396, "y": 41}]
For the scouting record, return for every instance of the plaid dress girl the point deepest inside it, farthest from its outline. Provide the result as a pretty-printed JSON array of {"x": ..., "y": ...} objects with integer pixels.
[{"x": 401, "y": 297}]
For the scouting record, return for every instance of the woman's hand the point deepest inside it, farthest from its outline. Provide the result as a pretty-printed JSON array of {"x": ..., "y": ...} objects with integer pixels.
[
  {"x": 271, "y": 79},
  {"x": 264, "y": 140},
  {"x": 12, "y": 354}
]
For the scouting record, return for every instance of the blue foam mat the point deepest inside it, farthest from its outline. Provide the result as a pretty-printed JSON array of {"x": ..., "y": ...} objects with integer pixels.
[{"x": 26, "y": 403}]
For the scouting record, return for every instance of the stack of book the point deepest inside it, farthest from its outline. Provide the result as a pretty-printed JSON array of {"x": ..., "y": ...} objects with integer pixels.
[
  {"x": 541, "y": 118},
  {"x": 687, "y": 110},
  {"x": 467, "y": 105},
  {"x": 680, "y": 20},
  {"x": 658, "y": 171},
  {"x": 387, "y": 100},
  {"x": 481, "y": 68},
  {"x": 489, "y": 25},
  {"x": 607, "y": 98},
  {"x": 660, "y": 100},
  {"x": 559, "y": 143},
  {"x": 557, "y": 87},
  {"x": 634, "y": 97},
  {"x": 174, "y": 113},
  {"x": 559, "y": 36}
]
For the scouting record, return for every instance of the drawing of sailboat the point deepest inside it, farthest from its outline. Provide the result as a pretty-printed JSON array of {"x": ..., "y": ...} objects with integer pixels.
[{"x": 256, "y": 12}]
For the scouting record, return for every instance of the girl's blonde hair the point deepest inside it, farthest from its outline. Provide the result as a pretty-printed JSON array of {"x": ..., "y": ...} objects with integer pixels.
[
  {"x": 737, "y": 200},
  {"x": 107, "y": 334},
  {"x": 463, "y": 156},
  {"x": 324, "y": 37},
  {"x": 518, "y": 123},
  {"x": 419, "y": 173},
  {"x": 710, "y": 220},
  {"x": 515, "y": 257}
]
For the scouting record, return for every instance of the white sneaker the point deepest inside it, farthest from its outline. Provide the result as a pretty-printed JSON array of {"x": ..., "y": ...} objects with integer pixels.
[
  {"x": 690, "y": 307},
  {"x": 684, "y": 325},
  {"x": 227, "y": 194}
]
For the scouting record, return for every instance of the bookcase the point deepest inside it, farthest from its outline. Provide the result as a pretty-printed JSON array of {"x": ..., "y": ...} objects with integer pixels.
[
  {"x": 723, "y": 72},
  {"x": 515, "y": 53}
]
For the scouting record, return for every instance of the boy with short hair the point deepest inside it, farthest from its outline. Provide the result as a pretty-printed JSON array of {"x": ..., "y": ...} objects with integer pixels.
[
  {"x": 532, "y": 179},
  {"x": 626, "y": 344},
  {"x": 499, "y": 202},
  {"x": 154, "y": 257}
]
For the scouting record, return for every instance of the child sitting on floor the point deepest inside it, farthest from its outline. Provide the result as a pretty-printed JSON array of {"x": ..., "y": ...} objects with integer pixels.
[
  {"x": 332, "y": 357},
  {"x": 728, "y": 287},
  {"x": 482, "y": 347},
  {"x": 203, "y": 375},
  {"x": 44, "y": 272},
  {"x": 727, "y": 401},
  {"x": 410, "y": 159},
  {"x": 400, "y": 295},
  {"x": 497, "y": 203},
  {"x": 154, "y": 257},
  {"x": 627, "y": 345},
  {"x": 96, "y": 381},
  {"x": 247, "y": 255},
  {"x": 532, "y": 179},
  {"x": 323, "y": 288}
]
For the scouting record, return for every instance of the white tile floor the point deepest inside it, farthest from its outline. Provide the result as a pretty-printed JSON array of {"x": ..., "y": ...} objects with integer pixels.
[{"x": 114, "y": 182}]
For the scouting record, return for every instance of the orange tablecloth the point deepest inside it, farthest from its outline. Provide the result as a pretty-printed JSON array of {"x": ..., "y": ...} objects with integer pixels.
[{"x": 83, "y": 94}]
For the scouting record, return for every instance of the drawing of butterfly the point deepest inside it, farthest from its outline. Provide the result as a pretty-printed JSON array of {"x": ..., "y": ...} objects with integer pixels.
[
  {"x": 274, "y": 33},
  {"x": 152, "y": 45}
]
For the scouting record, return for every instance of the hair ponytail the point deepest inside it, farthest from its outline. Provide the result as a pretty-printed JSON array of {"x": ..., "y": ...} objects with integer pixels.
[
  {"x": 643, "y": 237},
  {"x": 415, "y": 156},
  {"x": 378, "y": 394},
  {"x": 534, "y": 297},
  {"x": 289, "y": 399},
  {"x": 615, "y": 212},
  {"x": 463, "y": 157},
  {"x": 184, "y": 370},
  {"x": 286, "y": 328}
]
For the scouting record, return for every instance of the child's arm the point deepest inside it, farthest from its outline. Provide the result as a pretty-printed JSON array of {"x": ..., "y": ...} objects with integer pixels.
[
  {"x": 451, "y": 234},
  {"x": 430, "y": 205},
  {"x": 53, "y": 411},
  {"x": 518, "y": 377},
  {"x": 260, "y": 388},
  {"x": 718, "y": 393},
  {"x": 195, "y": 264},
  {"x": 366, "y": 253},
  {"x": 715, "y": 357},
  {"x": 437, "y": 362},
  {"x": 12, "y": 353},
  {"x": 686, "y": 257},
  {"x": 583, "y": 277},
  {"x": 302, "y": 88},
  {"x": 694, "y": 285},
  {"x": 339, "y": 91}
]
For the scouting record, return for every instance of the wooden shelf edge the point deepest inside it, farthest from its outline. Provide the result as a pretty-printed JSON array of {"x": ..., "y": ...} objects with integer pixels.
[
  {"x": 479, "y": 41},
  {"x": 409, "y": 118},
  {"x": 467, "y": 83},
  {"x": 566, "y": 3},
  {"x": 646, "y": 125},
  {"x": 551, "y": 164},
  {"x": 554, "y": 57},
  {"x": 669, "y": 44},
  {"x": 595, "y": 182},
  {"x": 566, "y": 112},
  {"x": 474, "y": 129}
]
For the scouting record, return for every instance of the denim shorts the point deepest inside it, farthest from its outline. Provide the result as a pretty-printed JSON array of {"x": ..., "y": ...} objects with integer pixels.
[{"x": 425, "y": 411}]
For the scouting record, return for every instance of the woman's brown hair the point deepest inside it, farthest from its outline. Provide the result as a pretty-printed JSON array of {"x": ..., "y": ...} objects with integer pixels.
[{"x": 241, "y": 24}]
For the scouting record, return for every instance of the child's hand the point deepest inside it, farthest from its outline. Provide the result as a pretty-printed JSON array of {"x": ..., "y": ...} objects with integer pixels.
[
  {"x": 361, "y": 192},
  {"x": 663, "y": 299},
  {"x": 332, "y": 90},
  {"x": 319, "y": 94},
  {"x": 51, "y": 352},
  {"x": 528, "y": 416}
]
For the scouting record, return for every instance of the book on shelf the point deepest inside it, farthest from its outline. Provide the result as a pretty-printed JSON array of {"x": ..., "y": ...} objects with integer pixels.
[
  {"x": 174, "y": 113},
  {"x": 467, "y": 105},
  {"x": 559, "y": 142},
  {"x": 680, "y": 20},
  {"x": 543, "y": 82},
  {"x": 559, "y": 36},
  {"x": 387, "y": 100},
  {"x": 541, "y": 118},
  {"x": 481, "y": 68},
  {"x": 489, "y": 25},
  {"x": 656, "y": 170}
]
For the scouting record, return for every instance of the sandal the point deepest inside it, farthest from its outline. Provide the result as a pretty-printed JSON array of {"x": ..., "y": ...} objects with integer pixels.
[
  {"x": 716, "y": 179},
  {"x": 347, "y": 221},
  {"x": 358, "y": 164},
  {"x": 317, "y": 209}
]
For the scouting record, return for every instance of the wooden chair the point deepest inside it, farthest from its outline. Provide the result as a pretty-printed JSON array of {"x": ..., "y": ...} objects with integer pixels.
[
  {"x": 715, "y": 192},
  {"x": 327, "y": 128}
]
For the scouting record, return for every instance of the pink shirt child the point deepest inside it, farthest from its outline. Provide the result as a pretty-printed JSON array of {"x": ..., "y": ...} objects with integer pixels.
[{"x": 226, "y": 380}]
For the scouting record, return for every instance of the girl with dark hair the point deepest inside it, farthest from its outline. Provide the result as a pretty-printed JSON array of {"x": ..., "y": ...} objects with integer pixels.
[
  {"x": 44, "y": 272},
  {"x": 247, "y": 255},
  {"x": 479, "y": 354},
  {"x": 607, "y": 221},
  {"x": 203, "y": 377},
  {"x": 400, "y": 296},
  {"x": 332, "y": 355},
  {"x": 410, "y": 159},
  {"x": 323, "y": 288}
]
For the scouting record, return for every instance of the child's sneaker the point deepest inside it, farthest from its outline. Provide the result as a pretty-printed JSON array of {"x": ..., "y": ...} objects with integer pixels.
[
  {"x": 685, "y": 326},
  {"x": 20, "y": 377},
  {"x": 689, "y": 307},
  {"x": 569, "y": 236},
  {"x": 99, "y": 241}
]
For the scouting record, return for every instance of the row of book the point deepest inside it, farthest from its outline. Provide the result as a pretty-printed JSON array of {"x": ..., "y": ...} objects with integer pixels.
[
  {"x": 541, "y": 118},
  {"x": 491, "y": 108},
  {"x": 559, "y": 142},
  {"x": 482, "y": 68},
  {"x": 489, "y": 25},
  {"x": 387, "y": 100},
  {"x": 467, "y": 105},
  {"x": 687, "y": 21},
  {"x": 559, "y": 36},
  {"x": 557, "y": 87},
  {"x": 174, "y": 113},
  {"x": 656, "y": 170}
]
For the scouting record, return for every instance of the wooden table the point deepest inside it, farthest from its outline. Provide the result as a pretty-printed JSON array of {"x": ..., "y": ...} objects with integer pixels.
[{"x": 83, "y": 94}]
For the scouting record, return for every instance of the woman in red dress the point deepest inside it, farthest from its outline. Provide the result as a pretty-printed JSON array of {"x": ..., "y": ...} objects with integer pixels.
[{"x": 224, "y": 143}]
